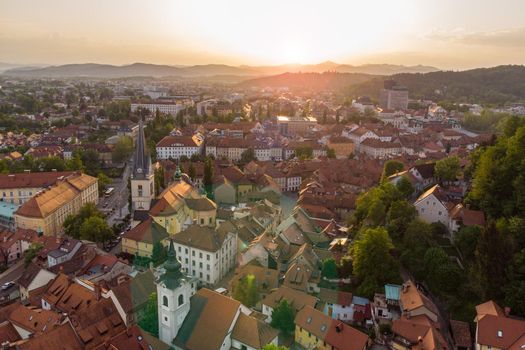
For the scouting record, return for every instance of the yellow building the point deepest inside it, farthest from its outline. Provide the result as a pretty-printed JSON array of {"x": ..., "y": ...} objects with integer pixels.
[
  {"x": 342, "y": 146},
  {"x": 19, "y": 188},
  {"x": 315, "y": 330},
  {"x": 47, "y": 210},
  {"x": 141, "y": 239},
  {"x": 181, "y": 204}
]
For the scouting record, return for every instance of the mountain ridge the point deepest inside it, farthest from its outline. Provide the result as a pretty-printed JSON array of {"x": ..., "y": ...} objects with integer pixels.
[{"x": 98, "y": 70}]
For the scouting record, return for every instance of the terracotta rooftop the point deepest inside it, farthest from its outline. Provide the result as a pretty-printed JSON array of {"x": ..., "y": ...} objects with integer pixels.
[{"x": 32, "y": 180}]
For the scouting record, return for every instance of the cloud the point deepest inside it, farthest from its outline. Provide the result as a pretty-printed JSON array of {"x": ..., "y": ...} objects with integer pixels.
[{"x": 508, "y": 38}]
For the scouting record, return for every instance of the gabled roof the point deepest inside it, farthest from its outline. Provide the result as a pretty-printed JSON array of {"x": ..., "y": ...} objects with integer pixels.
[
  {"x": 296, "y": 298},
  {"x": 207, "y": 324},
  {"x": 335, "y": 333},
  {"x": 147, "y": 231},
  {"x": 201, "y": 237},
  {"x": 253, "y": 332}
]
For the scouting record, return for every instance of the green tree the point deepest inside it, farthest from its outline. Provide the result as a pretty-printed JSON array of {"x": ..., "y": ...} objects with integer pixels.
[
  {"x": 372, "y": 262},
  {"x": 248, "y": 156},
  {"x": 192, "y": 172},
  {"x": 91, "y": 162},
  {"x": 441, "y": 274},
  {"x": 31, "y": 253},
  {"x": 304, "y": 153},
  {"x": 245, "y": 291},
  {"x": 490, "y": 262},
  {"x": 391, "y": 167},
  {"x": 330, "y": 153},
  {"x": 150, "y": 319},
  {"x": 329, "y": 269},
  {"x": 405, "y": 187},
  {"x": 399, "y": 216},
  {"x": 72, "y": 223},
  {"x": 515, "y": 289},
  {"x": 96, "y": 229},
  {"x": 208, "y": 176},
  {"x": 416, "y": 239},
  {"x": 103, "y": 181},
  {"x": 466, "y": 240},
  {"x": 75, "y": 163},
  {"x": 283, "y": 317},
  {"x": 159, "y": 254},
  {"x": 447, "y": 169},
  {"x": 123, "y": 149},
  {"x": 274, "y": 347}
]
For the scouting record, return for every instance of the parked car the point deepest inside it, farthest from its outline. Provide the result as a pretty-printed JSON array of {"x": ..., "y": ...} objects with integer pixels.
[{"x": 7, "y": 285}]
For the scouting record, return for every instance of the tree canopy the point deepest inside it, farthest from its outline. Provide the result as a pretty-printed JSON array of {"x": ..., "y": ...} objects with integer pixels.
[{"x": 283, "y": 317}]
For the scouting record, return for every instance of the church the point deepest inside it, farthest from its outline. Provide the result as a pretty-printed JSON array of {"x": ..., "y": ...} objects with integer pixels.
[
  {"x": 204, "y": 319},
  {"x": 180, "y": 205}
]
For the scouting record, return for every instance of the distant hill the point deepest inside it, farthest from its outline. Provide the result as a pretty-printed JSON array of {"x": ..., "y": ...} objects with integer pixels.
[
  {"x": 153, "y": 70},
  {"x": 310, "y": 81},
  {"x": 495, "y": 85}
]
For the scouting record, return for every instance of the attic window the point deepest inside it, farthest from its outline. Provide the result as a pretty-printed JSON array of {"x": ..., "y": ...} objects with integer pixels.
[
  {"x": 500, "y": 334},
  {"x": 309, "y": 320},
  {"x": 323, "y": 328}
]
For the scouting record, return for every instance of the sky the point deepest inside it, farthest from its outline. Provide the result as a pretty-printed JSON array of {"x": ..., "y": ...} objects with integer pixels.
[{"x": 448, "y": 34}]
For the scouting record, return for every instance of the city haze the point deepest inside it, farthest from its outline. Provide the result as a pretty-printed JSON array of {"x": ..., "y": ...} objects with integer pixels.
[{"x": 444, "y": 34}]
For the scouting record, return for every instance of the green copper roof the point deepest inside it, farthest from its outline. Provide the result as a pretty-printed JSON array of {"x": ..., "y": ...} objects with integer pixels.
[{"x": 173, "y": 275}]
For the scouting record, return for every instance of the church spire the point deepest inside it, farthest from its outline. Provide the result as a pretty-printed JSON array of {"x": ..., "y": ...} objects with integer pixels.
[
  {"x": 172, "y": 266},
  {"x": 141, "y": 159}
]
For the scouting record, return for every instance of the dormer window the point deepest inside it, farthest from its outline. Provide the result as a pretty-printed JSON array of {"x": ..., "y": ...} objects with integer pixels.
[{"x": 500, "y": 334}]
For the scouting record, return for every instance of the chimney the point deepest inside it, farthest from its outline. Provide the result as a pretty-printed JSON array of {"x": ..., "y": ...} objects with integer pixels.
[
  {"x": 507, "y": 311},
  {"x": 420, "y": 339}
]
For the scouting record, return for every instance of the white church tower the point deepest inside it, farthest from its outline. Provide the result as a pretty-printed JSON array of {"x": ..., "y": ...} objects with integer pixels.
[
  {"x": 143, "y": 176},
  {"x": 174, "y": 291}
]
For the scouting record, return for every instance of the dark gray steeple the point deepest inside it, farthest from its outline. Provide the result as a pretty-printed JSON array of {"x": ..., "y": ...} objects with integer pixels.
[{"x": 141, "y": 159}]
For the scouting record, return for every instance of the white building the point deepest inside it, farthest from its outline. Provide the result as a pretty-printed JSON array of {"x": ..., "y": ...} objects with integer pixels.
[
  {"x": 163, "y": 107},
  {"x": 206, "y": 253},
  {"x": 174, "y": 147},
  {"x": 174, "y": 291},
  {"x": 433, "y": 206}
]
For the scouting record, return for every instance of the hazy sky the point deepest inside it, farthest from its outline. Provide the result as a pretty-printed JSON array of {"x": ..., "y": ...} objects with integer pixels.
[{"x": 445, "y": 33}]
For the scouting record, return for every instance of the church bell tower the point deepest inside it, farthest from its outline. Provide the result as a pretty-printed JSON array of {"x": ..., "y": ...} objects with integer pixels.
[{"x": 142, "y": 177}]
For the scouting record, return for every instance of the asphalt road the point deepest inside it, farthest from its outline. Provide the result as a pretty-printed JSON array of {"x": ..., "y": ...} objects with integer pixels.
[
  {"x": 117, "y": 203},
  {"x": 13, "y": 273}
]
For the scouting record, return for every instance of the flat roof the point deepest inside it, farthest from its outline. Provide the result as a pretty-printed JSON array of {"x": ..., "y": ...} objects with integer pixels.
[{"x": 7, "y": 209}]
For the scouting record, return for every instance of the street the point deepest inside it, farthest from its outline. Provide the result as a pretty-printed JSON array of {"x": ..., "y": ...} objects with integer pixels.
[
  {"x": 116, "y": 205},
  {"x": 13, "y": 273}
]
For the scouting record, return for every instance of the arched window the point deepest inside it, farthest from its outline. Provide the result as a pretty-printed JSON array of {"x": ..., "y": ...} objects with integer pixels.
[
  {"x": 181, "y": 299},
  {"x": 165, "y": 301}
]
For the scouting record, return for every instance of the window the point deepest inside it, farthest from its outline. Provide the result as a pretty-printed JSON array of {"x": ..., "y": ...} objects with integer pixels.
[
  {"x": 165, "y": 301},
  {"x": 202, "y": 221},
  {"x": 193, "y": 253},
  {"x": 208, "y": 257},
  {"x": 208, "y": 278},
  {"x": 140, "y": 190},
  {"x": 181, "y": 300},
  {"x": 200, "y": 255},
  {"x": 180, "y": 249},
  {"x": 200, "y": 265},
  {"x": 208, "y": 267}
]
